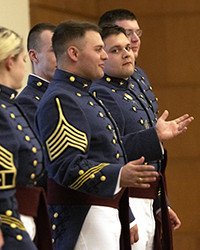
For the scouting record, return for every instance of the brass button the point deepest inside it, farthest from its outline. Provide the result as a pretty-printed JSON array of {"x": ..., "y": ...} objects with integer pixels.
[
  {"x": 78, "y": 94},
  {"x": 19, "y": 127},
  {"x": 13, "y": 225},
  {"x": 141, "y": 121},
  {"x": 103, "y": 178},
  {"x": 113, "y": 90},
  {"x": 55, "y": 215},
  {"x": 34, "y": 149},
  {"x": 92, "y": 176},
  {"x": 3, "y": 106},
  {"x": 101, "y": 114},
  {"x": 81, "y": 172},
  {"x": 109, "y": 127},
  {"x": 32, "y": 176},
  {"x": 117, "y": 156},
  {"x": 9, "y": 213},
  {"x": 39, "y": 84},
  {"x": 36, "y": 97},
  {"x": 53, "y": 227},
  {"x": 91, "y": 103},
  {"x": 12, "y": 115},
  {"x": 121, "y": 83},
  {"x": 52, "y": 240},
  {"x": 108, "y": 79},
  {"x": 72, "y": 78},
  {"x": 156, "y": 99},
  {"x": 27, "y": 138},
  {"x": 114, "y": 141},
  {"x": 150, "y": 88},
  {"x": 134, "y": 108},
  {"x": 19, "y": 237},
  {"x": 35, "y": 163}
]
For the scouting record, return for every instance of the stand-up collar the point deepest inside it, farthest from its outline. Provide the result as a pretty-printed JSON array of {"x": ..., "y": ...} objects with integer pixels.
[
  {"x": 7, "y": 93},
  {"x": 72, "y": 79},
  {"x": 118, "y": 82}
]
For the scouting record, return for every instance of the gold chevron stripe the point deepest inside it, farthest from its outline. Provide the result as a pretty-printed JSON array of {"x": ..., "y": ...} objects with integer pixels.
[
  {"x": 83, "y": 178},
  {"x": 13, "y": 222},
  {"x": 64, "y": 135},
  {"x": 6, "y": 161}
]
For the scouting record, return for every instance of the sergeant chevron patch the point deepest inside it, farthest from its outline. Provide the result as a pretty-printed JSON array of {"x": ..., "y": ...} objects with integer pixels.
[
  {"x": 87, "y": 175},
  {"x": 13, "y": 222},
  {"x": 64, "y": 135},
  {"x": 8, "y": 170}
]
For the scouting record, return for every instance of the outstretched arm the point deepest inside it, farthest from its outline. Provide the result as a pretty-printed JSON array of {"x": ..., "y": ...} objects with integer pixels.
[{"x": 169, "y": 129}]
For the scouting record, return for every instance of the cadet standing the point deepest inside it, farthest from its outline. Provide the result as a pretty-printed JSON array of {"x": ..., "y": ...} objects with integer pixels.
[
  {"x": 21, "y": 157},
  {"x": 41, "y": 54},
  {"x": 139, "y": 135},
  {"x": 85, "y": 157}
]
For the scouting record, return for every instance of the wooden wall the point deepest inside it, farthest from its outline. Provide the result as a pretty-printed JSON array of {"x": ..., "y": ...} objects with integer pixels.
[{"x": 170, "y": 55}]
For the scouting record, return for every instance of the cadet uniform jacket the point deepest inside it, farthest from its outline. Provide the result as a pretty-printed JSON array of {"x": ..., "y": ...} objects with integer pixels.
[
  {"x": 134, "y": 114},
  {"x": 134, "y": 108},
  {"x": 85, "y": 153},
  {"x": 131, "y": 105},
  {"x": 29, "y": 99},
  {"x": 31, "y": 95},
  {"x": 20, "y": 166}
]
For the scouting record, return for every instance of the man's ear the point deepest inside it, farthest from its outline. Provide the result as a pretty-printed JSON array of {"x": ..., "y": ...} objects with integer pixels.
[
  {"x": 33, "y": 55},
  {"x": 73, "y": 53}
]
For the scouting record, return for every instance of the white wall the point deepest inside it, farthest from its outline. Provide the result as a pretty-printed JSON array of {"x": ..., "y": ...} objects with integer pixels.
[{"x": 15, "y": 15}]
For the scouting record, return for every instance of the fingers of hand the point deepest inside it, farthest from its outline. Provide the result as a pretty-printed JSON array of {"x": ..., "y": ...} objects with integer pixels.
[
  {"x": 181, "y": 119},
  {"x": 146, "y": 176},
  {"x": 183, "y": 125},
  {"x": 138, "y": 162},
  {"x": 145, "y": 181},
  {"x": 164, "y": 115}
]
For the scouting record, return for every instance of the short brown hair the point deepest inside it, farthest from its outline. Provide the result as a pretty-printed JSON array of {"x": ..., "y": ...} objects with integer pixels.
[{"x": 70, "y": 31}]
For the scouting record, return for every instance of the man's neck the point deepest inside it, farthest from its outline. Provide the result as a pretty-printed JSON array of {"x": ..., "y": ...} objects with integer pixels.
[{"x": 39, "y": 77}]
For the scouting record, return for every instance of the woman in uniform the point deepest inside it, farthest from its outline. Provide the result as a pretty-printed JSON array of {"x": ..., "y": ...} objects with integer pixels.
[{"x": 21, "y": 157}]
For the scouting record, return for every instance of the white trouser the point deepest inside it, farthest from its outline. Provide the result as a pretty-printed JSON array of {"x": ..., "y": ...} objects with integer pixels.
[
  {"x": 143, "y": 212},
  {"x": 101, "y": 230},
  {"x": 29, "y": 224}
]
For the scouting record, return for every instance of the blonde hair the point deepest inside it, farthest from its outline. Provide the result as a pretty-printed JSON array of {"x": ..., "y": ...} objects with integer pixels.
[{"x": 10, "y": 43}]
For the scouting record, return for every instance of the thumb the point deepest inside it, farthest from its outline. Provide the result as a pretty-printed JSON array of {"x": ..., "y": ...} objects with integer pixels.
[
  {"x": 164, "y": 115},
  {"x": 138, "y": 161}
]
